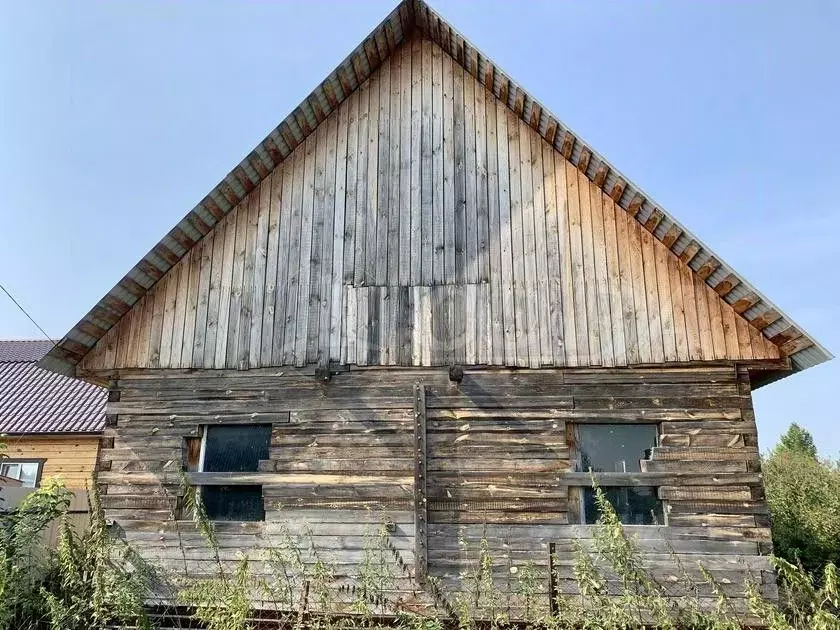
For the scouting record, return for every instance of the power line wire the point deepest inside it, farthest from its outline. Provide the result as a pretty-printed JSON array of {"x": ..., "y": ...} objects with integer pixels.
[{"x": 23, "y": 310}]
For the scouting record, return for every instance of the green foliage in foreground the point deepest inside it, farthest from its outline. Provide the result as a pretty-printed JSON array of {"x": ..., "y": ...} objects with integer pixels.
[
  {"x": 93, "y": 581},
  {"x": 803, "y": 493}
]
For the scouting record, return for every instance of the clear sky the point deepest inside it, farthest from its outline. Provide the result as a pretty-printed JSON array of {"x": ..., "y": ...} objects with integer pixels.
[{"x": 117, "y": 117}]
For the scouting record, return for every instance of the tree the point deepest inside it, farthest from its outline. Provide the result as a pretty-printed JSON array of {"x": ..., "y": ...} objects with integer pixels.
[
  {"x": 803, "y": 493},
  {"x": 798, "y": 440}
]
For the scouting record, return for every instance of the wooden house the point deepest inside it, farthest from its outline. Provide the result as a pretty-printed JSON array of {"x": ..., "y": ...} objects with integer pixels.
[
  {"x": 422, "y": 298},
  {"x": 50, "y": 423}
]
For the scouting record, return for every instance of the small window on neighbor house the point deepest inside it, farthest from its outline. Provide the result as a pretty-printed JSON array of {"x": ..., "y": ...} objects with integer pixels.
[
  {"x": 619, "y": 448},
  {"x": 234, "y": 448},
  {"x": 27, "y": 472}
]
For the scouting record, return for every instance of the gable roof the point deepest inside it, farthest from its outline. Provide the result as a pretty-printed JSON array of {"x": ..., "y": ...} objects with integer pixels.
[
  {"x": 34, "y": 400},
  {"x": 408, "y": 17}
]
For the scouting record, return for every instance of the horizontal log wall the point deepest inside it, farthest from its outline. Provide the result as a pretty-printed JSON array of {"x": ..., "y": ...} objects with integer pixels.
[
  {"x": 425, "y": 223},
  {"x": 342, "y": 463}
]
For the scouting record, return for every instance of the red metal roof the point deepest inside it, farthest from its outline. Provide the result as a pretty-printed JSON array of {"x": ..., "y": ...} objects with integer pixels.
[{"x": 34, "y": 400}]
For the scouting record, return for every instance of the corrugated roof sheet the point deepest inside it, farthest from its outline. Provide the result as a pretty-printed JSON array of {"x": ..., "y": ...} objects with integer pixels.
[
  {"x": 35, "y": 400},
  {"x": 409, "y": 16}
]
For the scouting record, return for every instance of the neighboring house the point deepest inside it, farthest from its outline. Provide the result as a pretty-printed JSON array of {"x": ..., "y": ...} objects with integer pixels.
[
  {"x": 50, "y": 423},
  {"x": 423, "y": 298}
]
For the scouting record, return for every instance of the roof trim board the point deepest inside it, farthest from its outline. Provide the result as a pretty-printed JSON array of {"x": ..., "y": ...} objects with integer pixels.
[{"x": 410, "y": 16}]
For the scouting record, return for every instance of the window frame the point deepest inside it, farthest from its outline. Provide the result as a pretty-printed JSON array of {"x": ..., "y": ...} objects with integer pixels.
[
  {"x": 204, "y": 429},
  {"x": 40, "y": 461},
  {"x": 576, "y": 489}
]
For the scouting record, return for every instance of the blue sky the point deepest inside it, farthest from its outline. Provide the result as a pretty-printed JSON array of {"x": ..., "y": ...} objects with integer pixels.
[{"x": 117, "y": 117}]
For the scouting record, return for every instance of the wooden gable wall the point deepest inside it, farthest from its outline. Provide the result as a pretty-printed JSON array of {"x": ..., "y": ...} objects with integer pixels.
[{"x": 424, "y": 223}]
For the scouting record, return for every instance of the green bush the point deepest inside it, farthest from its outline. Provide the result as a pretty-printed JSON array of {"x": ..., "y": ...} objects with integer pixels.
[{"x": 803, "y": 493}]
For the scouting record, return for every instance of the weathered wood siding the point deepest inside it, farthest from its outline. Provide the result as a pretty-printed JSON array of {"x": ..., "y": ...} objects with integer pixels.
[
  {"x": 343, "y": 458},
  {"x": 424, "y": 223},
  {"x": 72, "y": 458}
]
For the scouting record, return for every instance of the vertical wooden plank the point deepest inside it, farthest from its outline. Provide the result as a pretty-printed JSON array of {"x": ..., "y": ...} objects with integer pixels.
[
  {"x": 448, "y": 171},
  {"x": 372, "y": 185},
  {"x": 538, "y": 170},
  {"x": 469, "y": 315},
  {"x": 317, "y": 297},
  {"x": 494, "y": 236},
  {"x": 205, "y": 247},
  {"x": 689, "y": 305},
  {"x": 192, "y": 306},
  {"x": 481, "y": 182},
  {"x": 383, "y": 196},
  {"x": 653, "y": 319},
  {"x": 573, "y": 193},
  {"x": 148, "y": 308},
  {"x": 393, "y": 339},
  {"x": 416, "y": 327},
  {"x": 617, "y": 309},
  {"x": 416, "y": 140},
  {"x": 729, "y": 329},
  {"x": 405, "y": 325},
  {"x": 405, "y": 166},
  {"x": 327, "y": 229},
  {"x": 246, "y": 306},
  {"x": 716, "y": 318},
  {"x": 237, "y": 275},
  {"x": 295, "y": 189},
  {"x": 630, "y": 272},
  {"x": 704, "y": 322},
  {"x": 121, "y": 360},
  {"x": 362, "y": 311},
  {"x": 351, "y": 185},
  {"x": 350, "y": 326},
  {"x": 156, "y": 331},
  {"x": 340, "y": 177},
  {"x": 424, "y": 305},
  {"x": 271, "y": 258},
  {"x": 259, "y": 279},
  {"x": 360, "y": 268},
  {"x": 181, "y": 270},
  {"x": 426, "y": 147},
  {"x": 759, "y": 348},
  {"x": 437, "y": 167},
  {"x": 394, "y": 170},
  {"x": 421, "y": 474},
  {"x": 383, "y": 335},
  {"x": 470, "y": 200},
  {"x": 460, "y": 184},
  {"x": 666, "y": 312},
  {"x": 306, "y": 238},
  {"x": 571, "y": 350},
  {"x": 636, "y": 257},
  {"x": 284, "y": 177},
  {"x": 168, "y": 316},
  {"x": 680, "y": 331},
  {"x": 216, "y": 273},
  {"x": 517, "y": 247},
  {"x": 602, "y": 286},
  {"x": 529, "y": 255},
  {"x": 589, "y": 273},
  {"x": 742, "y": 329},
  {"x": 372, "y": 328},
  {"x": 505, "y": 235}
]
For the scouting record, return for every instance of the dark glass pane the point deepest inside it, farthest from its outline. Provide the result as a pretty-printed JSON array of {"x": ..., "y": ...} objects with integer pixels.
[
  {"x": 634, "y": 506},
  {"x": 236, "y": 448},
  {"x": 233, "y": 503},
  {"x": 615, "y": 447}
]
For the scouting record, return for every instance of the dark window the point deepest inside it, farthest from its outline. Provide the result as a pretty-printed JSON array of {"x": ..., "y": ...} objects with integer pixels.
[
  {"x": 615, "y": 447},
  {"x": 26, "y": 471},
  {"x": 234, "y": 448},
  {"x": 619, "y": 448},
  {"x": 634, "y": 505}
]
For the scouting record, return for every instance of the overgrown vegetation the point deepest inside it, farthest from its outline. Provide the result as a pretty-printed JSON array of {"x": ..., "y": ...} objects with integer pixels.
[
  {"x": 803, "y": 492},
  {"x": 94, "y": 580}
]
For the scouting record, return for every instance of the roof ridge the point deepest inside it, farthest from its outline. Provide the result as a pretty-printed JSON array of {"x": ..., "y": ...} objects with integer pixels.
[{"x": 407, "y": 17}]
